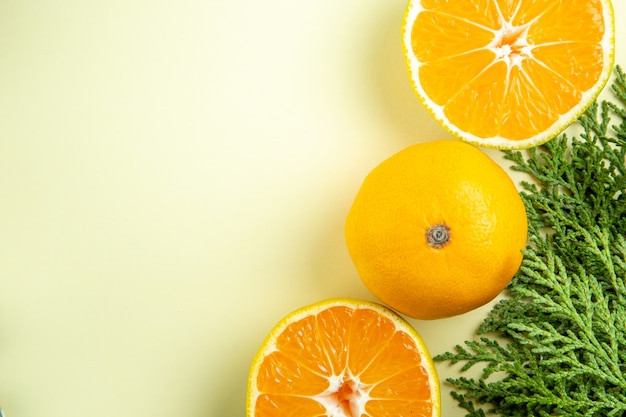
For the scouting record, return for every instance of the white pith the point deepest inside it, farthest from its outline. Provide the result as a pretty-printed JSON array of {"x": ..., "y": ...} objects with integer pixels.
[
  {"x": 511, "y": 53},
  {"x": 353, "y": 405}
]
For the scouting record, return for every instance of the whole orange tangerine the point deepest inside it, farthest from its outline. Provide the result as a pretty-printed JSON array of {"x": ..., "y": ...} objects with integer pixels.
[{"x": 437, "y": 230}]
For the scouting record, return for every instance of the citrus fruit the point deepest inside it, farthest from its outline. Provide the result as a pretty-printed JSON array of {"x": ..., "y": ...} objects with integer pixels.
[
  {"x": 508, "y": 73},
  {"x": 343, "y": 358},
  {"x": 437, "y": 229}
]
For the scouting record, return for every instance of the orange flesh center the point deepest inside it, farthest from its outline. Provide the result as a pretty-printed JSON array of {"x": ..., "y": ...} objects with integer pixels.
[
  {"x": 511, "y": 45},
  {"x": 347, "y": 398}
]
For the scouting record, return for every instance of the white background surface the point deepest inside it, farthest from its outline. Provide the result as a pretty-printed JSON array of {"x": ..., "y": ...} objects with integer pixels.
[{"x": 174, "y": 178}]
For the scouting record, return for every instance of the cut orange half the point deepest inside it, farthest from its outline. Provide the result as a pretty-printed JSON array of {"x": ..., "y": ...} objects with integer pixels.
[
  {"x": 508, "y": 74},
  {"x": 343, "y": 358}
]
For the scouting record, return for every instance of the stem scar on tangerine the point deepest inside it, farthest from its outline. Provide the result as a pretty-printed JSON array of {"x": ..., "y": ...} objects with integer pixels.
[{"x": 438, "y": 235}]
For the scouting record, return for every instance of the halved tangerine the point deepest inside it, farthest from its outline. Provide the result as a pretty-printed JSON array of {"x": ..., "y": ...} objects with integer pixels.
[
  {"x": 508, "y": 73},
  {"x": 343, "y": 358}
]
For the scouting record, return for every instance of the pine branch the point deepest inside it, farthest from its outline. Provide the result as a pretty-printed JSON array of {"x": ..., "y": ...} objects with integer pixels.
[{"x": 557, "y": 344}]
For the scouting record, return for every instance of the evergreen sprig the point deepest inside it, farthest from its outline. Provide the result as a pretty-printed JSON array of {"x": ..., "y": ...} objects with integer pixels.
[{"x": 556, "y": 344}]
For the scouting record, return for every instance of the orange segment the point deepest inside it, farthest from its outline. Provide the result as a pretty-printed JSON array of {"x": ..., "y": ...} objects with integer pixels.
[
  {"x": 528, "y": 109},
  {"x": 570, "y": 21},
  {"x": 508, "y": 73},
  {"x": 484, "y": 12},
  {"x": 370, "y": 332},
  {"x": 389, "y": 361},
  {"x": 301, "y": 343},
  {"x": 445, "y": 77},
  {"x": 404, "y": 386},
  {"x": 334, "y": 333},
  {"x": 578, "y": 63},
  {"x": 281, "y": 374},
  {"x": 288, "y": 406},
  {"x": 525, "y": 11},
  {"x": 459, "y": 107},
  {"x": 343, "y": 357},
  {"x": 438, "y": 34},
  {"x": 397, "y": 408}
]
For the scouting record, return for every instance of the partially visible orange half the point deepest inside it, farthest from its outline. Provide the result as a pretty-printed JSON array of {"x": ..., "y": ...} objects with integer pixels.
[
  {"x": 508, "y": 74},
  {"x": 343, "y": 357}
]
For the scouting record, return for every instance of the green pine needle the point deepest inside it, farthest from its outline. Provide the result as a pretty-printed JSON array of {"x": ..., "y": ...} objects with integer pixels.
[{"x": 556, "y": 345}]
